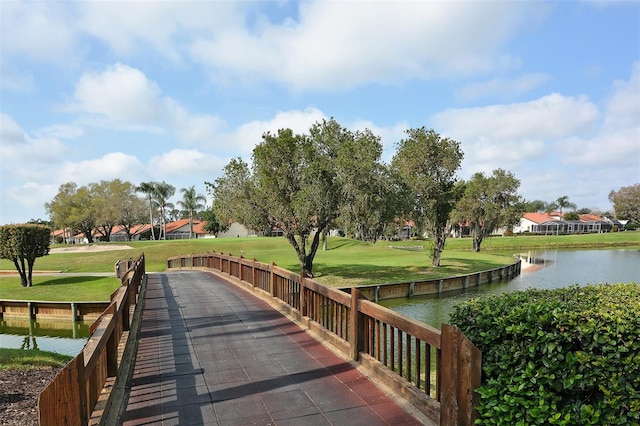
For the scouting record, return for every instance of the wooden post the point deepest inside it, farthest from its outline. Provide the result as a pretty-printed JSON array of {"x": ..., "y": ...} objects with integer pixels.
[
  {"x": 461, "y": 369},
  {"x": 356, "y": 339},
  {"x": 302, "y": 302},
  {"x": 271, "y": 286},
  {"x": 253, "y": 272}
]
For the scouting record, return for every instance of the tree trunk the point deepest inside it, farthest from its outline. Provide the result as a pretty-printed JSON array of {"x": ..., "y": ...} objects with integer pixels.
[
  {"x": 30, "y": 263},
  {"x": 21, "y": 271},
  {"x": 438, "y": 248},
  {"x": 153, "y": 236},
  {"x": 324, "y": 240}
]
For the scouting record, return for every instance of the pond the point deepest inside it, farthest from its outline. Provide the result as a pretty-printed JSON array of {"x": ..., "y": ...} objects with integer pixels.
[
  {"x": 62, "y": 336},
  {"x": 541, "y": 269}
]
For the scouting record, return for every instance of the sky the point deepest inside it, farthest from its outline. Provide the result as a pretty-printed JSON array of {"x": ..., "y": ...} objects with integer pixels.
[{"x": 172, "y": 90}]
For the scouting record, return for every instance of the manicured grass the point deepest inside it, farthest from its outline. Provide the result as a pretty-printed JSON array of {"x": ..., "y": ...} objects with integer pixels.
[
  {"x": 346, "y": 262},
  {"x": 29, "y": 359},
  {"x": 53, "y": 288},
  {"x": 518, "y": 243}
]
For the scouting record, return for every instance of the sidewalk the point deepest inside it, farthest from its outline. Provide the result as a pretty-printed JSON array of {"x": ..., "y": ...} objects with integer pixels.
[{"x": 211, "y": 353}]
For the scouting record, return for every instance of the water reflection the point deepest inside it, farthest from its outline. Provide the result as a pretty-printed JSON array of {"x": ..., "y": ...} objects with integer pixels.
[
  {"x": 62, "y": 336},
  {"x": 541, "y": 269}
]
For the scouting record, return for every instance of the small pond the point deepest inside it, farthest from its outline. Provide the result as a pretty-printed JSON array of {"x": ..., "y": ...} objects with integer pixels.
[
  {"x": 541, "y": 269},
  {"x": 61, "y": 336}
]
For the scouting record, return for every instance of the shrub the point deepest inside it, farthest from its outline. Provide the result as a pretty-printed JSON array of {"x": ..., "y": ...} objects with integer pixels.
[{"x": 569, "y": 356}]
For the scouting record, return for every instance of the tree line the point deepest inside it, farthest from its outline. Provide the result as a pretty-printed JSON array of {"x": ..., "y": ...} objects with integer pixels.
[
  {"x": 305, "y": 184},
  {"x": 333, "y": 178},
  {"x": 98, "y": 208}
]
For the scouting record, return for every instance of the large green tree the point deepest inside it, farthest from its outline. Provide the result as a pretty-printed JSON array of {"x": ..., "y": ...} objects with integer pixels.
[
  {"x": 489, "y": 203},
  {"x": 626, "y": 202},
  {"x": 132, "y": 211},
  {"x": 233, "y": 199},
  {"x": 112, "y": 200},
  {"x": 427, "y": 163},
  {"x": 191, "y": 202},
  {"x": 294, "y": 186},
  {"x": 74, "y": 208},
  {"x": 369, "y": 190},
  {"x": 22, "y": 244}
]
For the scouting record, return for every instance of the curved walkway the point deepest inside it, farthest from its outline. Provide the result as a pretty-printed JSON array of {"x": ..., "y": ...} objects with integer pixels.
[{"x": 211, "y": 353}]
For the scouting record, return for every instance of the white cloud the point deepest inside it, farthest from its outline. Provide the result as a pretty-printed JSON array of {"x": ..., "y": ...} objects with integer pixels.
[
  {"x": 322, "y": 45},
  {"x": 248, "y": 135},
  {"x": 123, "y": 97},
  {"x": 130, "y": 27},
  {"x": 338, "y": 45},
  {"x": 496, "y": 135},
  {"x": 110, "y": 166},
  {"x": 121, "y": 94}
]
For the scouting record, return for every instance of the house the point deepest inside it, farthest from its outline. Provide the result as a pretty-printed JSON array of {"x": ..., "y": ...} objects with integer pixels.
[
  {"x": 66, "y": 236},
  {"x": 179, "y": 230},
  {"x": 553, "y": 223},
  {"x": 118, "y": 233}
]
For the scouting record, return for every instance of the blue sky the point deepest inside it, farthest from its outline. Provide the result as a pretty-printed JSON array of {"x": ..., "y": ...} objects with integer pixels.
[{"x": 173, "y": 90}]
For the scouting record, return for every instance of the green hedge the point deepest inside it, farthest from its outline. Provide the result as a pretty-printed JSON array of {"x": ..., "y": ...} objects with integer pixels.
[{"x": 569, "y": 356}]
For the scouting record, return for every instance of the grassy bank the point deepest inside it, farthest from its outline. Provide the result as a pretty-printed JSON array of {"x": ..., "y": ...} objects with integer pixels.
[{"x": 21, "y": 359}]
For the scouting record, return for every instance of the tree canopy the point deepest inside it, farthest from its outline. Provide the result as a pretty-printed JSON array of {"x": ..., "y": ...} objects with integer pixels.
[
  {"x": 295, "y": 185},
  {"x": 489, "y": 203},
  {"x": 22, "y": 244},
  {"x": 427, "y": 163},
  {"x": 97, "y": 208},
  {"x": 626, "y": 202}
]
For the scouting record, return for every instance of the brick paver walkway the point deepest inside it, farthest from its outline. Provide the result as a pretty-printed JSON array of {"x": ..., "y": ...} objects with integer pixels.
[{"x": 211, "y": 353}]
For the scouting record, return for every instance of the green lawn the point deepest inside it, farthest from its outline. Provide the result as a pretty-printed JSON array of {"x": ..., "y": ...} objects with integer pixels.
[
  {"x": 30, "y": 359},
  {"x": 53, "y": 288},
  {"x": 346, "y": 262}
]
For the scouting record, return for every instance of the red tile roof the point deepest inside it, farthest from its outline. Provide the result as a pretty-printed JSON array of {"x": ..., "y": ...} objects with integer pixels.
[{"x": 538, "y": 217}]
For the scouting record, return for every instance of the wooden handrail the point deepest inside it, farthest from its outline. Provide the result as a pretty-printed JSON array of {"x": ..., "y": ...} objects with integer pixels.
[{"x": 71, "y": 397}]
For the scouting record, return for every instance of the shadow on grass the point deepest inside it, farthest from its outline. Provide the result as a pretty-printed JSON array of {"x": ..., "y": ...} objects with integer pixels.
[
  {"x": 68, "y": 281},
  {"x": 367, "y": 274}
]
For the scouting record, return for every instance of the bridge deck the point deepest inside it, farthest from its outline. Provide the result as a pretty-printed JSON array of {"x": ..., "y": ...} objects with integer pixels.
[{"x": 211, "y": 353}]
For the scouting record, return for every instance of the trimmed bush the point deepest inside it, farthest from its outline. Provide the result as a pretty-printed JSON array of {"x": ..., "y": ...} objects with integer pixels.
[{"x": 569, "y": 356}]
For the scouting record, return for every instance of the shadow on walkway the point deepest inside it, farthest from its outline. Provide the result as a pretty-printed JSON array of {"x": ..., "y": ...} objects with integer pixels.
[{"x": 211, "y": 353}]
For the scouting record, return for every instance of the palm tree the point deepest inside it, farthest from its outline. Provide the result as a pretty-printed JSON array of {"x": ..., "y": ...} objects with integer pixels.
[
  {"x": 563, "y": 202},
  {"x": 191, "y": 202},
  {"x": 149, "y": 188},
  {"x": 163, "y": 191}
]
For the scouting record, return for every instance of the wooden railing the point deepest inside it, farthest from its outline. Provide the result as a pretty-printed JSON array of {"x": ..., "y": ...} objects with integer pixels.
[
  {"x": 436, "y": 370},
  {"x": 71, "y": 397}
]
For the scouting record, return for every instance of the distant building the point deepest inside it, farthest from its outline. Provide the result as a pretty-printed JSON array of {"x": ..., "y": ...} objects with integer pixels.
[{"x": 553, "y": 223}]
